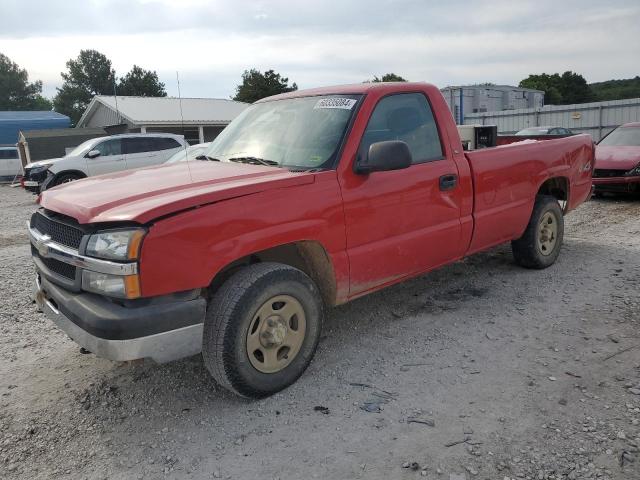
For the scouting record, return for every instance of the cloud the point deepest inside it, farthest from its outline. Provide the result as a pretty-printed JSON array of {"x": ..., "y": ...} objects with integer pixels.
[{"x": 320, "y": 43}]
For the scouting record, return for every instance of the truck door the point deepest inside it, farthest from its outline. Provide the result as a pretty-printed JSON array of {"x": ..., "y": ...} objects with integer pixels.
[
  {"x": 111, "y": 158},
  {"x": 403, "y": 222}
]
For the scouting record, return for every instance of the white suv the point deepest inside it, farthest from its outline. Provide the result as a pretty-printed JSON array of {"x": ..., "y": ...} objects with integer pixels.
[{"x": 103, "y": 155}]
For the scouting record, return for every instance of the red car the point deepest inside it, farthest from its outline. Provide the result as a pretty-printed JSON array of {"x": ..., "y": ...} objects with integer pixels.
[
  {"x": 309, "y": 200},
  {"x": 617, "y": 166}
]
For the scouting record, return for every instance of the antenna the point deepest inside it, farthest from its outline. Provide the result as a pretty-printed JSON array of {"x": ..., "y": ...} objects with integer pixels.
[
  {"x": 186, "y": 153},
  {"x": 115, "y": 97}
]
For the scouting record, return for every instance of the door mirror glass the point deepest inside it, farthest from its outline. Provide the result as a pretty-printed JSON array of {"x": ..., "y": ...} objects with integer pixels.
[
  {"x": 93, "y": 154},
  {"x": 385, "y": 156}
]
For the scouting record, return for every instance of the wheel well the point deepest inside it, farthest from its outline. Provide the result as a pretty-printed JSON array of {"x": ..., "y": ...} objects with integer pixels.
[
  {"x": 77, "y": 173},
  {"x": 308, "y": 256},
  {"x": 557, "y": 187}
]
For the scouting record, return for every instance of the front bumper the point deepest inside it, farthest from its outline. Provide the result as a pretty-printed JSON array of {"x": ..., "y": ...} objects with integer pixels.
[
  {"x": 31, "y": 186},
  {"x": 162, "y": 331},
  {"x": 32, "y": 181},
  {"x": 617, "y": 184}
]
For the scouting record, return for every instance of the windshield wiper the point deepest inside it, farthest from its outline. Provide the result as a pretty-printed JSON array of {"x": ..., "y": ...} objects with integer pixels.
[
  {"x": 254, "y": 161},
  {"x": 207, "y": 157}
]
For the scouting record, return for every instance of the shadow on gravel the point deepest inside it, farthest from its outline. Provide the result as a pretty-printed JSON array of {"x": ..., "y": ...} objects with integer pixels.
[{"x": 185, "y": 385}]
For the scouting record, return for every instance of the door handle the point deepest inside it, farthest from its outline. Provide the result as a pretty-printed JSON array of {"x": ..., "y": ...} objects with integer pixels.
[{"x": 448, "y": 182}]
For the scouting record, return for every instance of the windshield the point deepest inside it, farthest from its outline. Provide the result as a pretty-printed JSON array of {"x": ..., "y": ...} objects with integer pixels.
[
  {"x": 82, "y": 148},
  {"x": 302, "y": 133},
  {"x": 622, "y": 137},
  {"x": 190, "y": 154}
]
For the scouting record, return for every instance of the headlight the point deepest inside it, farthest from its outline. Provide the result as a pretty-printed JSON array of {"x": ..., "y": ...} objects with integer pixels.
[
  {"x": 40, "y": 168},
  {"x": 37, "y": 173},
  {"x": 111, "y": 285},
  {"x": 119, "y": 245}
]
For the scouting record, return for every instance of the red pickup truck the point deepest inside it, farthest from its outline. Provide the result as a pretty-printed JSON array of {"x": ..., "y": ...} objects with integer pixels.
[{"x": 306, "y": 200}]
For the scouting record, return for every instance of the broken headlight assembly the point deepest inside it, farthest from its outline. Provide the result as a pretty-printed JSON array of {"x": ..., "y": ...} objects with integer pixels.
[
  {"x": 115, "y": 245},
  {"x": 118, "y": 245}
]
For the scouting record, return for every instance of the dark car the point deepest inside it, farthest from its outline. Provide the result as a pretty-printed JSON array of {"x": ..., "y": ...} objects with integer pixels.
[
  {"x": 617, "y": 166},
  {"x": 538, "y": 131}
]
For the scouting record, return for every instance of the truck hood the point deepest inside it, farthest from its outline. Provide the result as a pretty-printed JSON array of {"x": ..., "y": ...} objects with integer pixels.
[
  {"x": 144, "y": 194},
  {"x": 617, "y": 158}
]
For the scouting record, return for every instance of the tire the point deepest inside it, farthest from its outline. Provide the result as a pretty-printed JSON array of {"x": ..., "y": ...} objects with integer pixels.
[
  {"x": 540, "y": 244},
  {"x": 249, "y": 300}
]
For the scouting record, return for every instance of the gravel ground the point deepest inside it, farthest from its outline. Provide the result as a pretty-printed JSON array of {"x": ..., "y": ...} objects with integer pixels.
[{"x": 479, "y": 370}]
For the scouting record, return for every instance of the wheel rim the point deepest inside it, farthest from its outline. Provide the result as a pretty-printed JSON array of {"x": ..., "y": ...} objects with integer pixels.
[
  {"x": 547, "y": 234},
  {"x": 276, "y": 334}
]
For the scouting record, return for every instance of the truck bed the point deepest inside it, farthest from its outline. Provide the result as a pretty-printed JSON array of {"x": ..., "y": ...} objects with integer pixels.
[{"x": 507, "y": 178}]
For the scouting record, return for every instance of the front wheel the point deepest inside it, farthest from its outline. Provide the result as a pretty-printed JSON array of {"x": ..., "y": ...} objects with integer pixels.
[
  {"x": 261, "y": 329},
  {"x": 540, "y": 244},
  {"x": 61, "y": 179}
]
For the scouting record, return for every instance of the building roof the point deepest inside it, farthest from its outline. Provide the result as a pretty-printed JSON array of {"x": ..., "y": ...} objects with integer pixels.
[
  {"x": 12, "y": 122},
  {"x": 168, "y": 110},
  {"x": 12, "y": 116},
  {"x": 62, "y": 132}
]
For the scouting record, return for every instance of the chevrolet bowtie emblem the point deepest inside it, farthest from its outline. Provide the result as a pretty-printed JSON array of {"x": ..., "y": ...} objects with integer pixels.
[{"x": 41, "y": 245}]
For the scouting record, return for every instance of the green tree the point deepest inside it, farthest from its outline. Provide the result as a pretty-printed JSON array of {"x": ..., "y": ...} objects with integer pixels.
[
  {"x": 559, "y": 89},
  {"x": 142, "y": 83},
  {"x": 256, "y": 85},
  {"x": 88, "y": 75},
  {"x": 574, "y": 88},
  {"x": 550, "y": 84},
  {"x": 616, "y": 89},
  {"x": 388, "y": 77},
  {"x": 16, "y": 93}
]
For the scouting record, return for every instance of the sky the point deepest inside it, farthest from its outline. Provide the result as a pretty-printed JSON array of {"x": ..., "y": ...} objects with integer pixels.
[{"x": 318, "y": 43}]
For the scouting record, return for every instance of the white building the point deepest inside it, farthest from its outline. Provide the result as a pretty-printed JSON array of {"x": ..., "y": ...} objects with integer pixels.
[
  {"x": 198, "y": 119},
  {"x": 463, "y": 100}
]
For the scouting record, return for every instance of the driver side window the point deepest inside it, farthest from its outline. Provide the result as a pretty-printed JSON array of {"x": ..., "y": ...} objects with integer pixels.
[
  {"x": 109, "y": 147},
  {"x": 406, "y": 117}
]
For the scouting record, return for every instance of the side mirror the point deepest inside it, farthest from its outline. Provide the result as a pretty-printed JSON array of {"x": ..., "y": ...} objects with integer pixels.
[
  {"x": 385, "y": 156},
  {"x": 93, "y": 154}
]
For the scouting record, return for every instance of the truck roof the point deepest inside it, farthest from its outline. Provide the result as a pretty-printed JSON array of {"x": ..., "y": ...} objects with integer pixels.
[{"x": 352, "y": 89}]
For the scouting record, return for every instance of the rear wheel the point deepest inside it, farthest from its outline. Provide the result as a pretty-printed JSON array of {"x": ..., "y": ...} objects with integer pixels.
[
  {"x": 261, "y": 329},
  {"x": 540, "y": 244}
]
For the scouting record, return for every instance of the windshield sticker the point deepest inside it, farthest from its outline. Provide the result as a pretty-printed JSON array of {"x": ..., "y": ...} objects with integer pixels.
[{"x": 336, "y": 102}]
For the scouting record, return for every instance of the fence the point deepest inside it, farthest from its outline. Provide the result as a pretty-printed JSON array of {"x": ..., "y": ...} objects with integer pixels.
[{"x": 597, "y": 118}]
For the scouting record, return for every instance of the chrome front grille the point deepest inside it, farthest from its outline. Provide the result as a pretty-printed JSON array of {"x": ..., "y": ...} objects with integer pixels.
[
  {"x": 56, "y": 266},
  {"x": 59, "y": 232}
]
